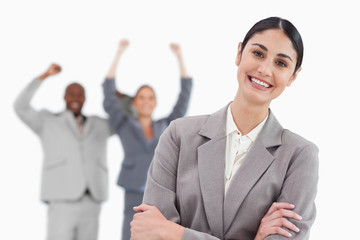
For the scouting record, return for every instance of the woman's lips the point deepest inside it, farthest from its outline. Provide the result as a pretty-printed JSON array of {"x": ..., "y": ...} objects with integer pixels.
[{"x": 259, "y": 84}]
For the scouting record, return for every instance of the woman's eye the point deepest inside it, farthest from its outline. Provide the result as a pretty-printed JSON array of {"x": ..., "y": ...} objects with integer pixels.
[
  {"x": 258, "y": 54},
  {"x": 281, "y": 64}
]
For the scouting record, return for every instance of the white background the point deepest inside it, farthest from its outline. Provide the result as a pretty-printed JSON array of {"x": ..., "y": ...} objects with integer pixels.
[{"x": 82, "y": 36}]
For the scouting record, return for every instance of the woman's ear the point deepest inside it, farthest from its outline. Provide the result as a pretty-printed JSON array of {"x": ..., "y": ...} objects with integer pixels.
[
  {"x": 293, "y": 77},
  {"x": 238, "y": 55}
]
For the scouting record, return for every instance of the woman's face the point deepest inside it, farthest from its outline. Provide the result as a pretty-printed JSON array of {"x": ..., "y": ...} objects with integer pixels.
[
  {"x": 145, "y": 102},
  {"x": 266, "y": 66}
]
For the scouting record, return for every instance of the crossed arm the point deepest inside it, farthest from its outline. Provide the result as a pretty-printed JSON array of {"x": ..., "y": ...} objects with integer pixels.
[{"x": 150, "y": 223}]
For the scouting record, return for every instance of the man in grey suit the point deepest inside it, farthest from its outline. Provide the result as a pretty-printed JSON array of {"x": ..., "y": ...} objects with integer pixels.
[{"x": 74, "y": 174}]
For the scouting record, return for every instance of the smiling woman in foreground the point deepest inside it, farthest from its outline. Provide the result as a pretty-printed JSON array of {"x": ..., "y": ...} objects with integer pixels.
[{"x": 237, "y": 173}]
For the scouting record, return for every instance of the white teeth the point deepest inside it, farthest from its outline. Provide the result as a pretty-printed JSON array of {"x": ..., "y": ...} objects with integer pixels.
[
  {"x": 146, "y": 107},
  {"x": 75, "y": 105},
  {"x": 258, "y": 82}
]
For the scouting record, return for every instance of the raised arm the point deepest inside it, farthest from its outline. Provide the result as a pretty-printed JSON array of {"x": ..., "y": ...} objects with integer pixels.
[
  {"x": 22, "y": 106},
  {"x": 123, "y": 44},
  {"x": 175, "y": 48},
  {"x": 113, "y": 104},
  {"x": 182, "y": 103}
]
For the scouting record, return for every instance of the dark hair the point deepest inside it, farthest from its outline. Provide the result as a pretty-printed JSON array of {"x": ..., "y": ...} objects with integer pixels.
[
  {"x": 141, "y": 87},
  {"x": 287, "y": 27}
]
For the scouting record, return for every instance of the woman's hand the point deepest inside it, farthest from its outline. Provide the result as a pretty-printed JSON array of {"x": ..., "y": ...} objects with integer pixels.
[
  {"x": 150, "y": 224},
  {"x": 175, "y": 48},
  {"x": 275, "y": 219},
  {"x": 123, "y": 44}
]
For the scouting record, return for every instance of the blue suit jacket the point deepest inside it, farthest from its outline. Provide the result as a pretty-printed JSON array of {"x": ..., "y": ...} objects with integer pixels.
[{"x": 137, "y": 149}]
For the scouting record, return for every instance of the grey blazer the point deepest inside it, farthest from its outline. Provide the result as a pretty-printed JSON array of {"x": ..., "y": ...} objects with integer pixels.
[
  {"x": 138, "y": 150},
  {"x": 186, "y": 179},
  {"x": 72, "y": 162}
]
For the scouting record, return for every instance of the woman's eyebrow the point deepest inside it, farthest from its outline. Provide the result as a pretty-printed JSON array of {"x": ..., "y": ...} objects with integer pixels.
[
  {"x": 284, "y": 56},
  {"x": 265, "y": 49},
  {"x": 261, "y": 46}
]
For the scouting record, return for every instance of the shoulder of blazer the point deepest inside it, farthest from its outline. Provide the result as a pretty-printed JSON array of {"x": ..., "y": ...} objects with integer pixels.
[
  {"x": 290, "y": 138},
  {"x": 97, "y": 118},
  {"x": 209, "y": 126},
  {"x": 198, "y": 120},
  {"x": 273, "y": 135},
  {"x": 189, "y": 123},
  {"x": 64, "y": 113},
  {"x": 46, "y": 114}
]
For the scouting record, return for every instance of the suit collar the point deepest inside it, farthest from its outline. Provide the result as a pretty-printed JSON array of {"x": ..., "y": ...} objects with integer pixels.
[
  {"x": 211, "y": 159},
  {"x": 271, "y": 133},
  {"x": 215, "y": 126},
  {"x": 220, "y": 210},
  {"x": 71, "y": 122}
]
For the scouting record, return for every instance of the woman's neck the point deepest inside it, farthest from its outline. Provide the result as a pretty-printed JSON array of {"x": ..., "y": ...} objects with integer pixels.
[
  {"x": 145, "y": 120},
  {"x": 146, "y": 125},
  {"x": 247, "y": 115}
]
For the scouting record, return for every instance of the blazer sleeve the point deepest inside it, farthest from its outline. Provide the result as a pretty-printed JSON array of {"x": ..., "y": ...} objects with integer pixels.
[
  {"x": 300, "y": 188},
  {"x": 160, "y": 188},
  {"x": 31, "y": 117},
  {"x": 112, "y": 106},
  {"x": 182, "y": 103},
  {"x": 107, "y": 127}
]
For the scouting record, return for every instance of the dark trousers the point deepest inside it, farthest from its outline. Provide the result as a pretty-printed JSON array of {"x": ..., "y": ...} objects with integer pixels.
[{"x": 132, "y": 199}]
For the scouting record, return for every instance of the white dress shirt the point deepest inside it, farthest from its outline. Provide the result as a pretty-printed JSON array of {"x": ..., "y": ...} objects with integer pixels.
[
  {"x": 237, "y": 146},
  {"x": 80, "y": 120}
]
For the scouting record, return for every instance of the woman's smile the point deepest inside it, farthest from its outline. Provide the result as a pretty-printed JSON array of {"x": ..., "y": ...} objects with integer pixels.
[
  {"x": 259, "y": 84},
  {"x": 264, "y": 67}
]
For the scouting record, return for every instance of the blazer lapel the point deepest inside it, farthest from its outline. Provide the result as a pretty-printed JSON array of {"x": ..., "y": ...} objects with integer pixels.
[
  {"x": 70, "y": 121},
  {"x": 211, "y": 159},
  {"x": 87, "y": 126},
  {"x": 256, "y": 162},
  {"x": 138, "y": 132}
]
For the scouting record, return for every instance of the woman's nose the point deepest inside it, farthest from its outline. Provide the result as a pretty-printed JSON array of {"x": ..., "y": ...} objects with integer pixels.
[{"x": 265, "y": 68}]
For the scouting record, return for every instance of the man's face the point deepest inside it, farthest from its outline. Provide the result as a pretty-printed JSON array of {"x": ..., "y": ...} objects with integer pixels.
[{"x": 74, "y": 98}]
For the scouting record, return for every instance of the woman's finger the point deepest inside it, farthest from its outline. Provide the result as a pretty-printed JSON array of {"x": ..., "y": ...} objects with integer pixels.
[
  {"x": 283, "y": 222},
  {"x": 280, "y": 231},
  {"x": 279, "y": 205},
  {"x": 142, "y": 208},
  {"x": 281, "y": 213}
]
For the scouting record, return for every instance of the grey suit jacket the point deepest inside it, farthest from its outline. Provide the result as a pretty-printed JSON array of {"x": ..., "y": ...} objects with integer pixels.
[
  {"x": 186, "y": 179},
  {"x": 72, "y": 162},
  {"x": 138, "y": 150}
]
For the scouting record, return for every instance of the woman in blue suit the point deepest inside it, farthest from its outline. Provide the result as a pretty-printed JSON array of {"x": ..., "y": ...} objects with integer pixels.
[{"x": 138, "y": 132}]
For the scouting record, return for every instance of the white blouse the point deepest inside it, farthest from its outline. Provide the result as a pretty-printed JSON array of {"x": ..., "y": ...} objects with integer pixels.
[{"x": 237, "y": 146}]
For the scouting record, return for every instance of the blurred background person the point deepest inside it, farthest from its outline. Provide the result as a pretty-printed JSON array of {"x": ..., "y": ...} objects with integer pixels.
[
  {"x": 74, "y": 174},
  {"x": 138, "y": 132}
]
